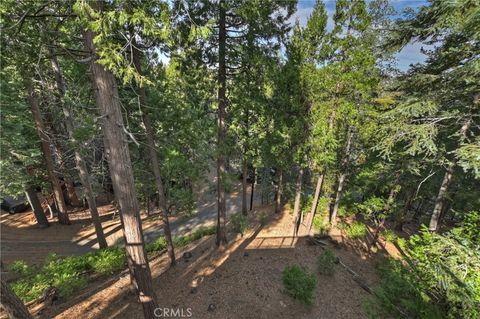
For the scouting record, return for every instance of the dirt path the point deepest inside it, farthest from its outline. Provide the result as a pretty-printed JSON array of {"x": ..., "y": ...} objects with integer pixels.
[{"x": 22, "y": 240}]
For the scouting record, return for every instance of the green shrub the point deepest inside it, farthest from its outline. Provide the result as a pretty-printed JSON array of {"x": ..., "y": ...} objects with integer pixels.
[
  {"x": 158, "y": 245},
  {"x": 262, "y": 218},
  {"x": 326, "y": 262},
  {"x": 67, "y": 274},
  {"x": 356, "y": 230},
  {"x": 320, "y": 225},
  {"x": 441, "y": 279},
  {"x": 20, "y": 267},
  {"x": 107, "y": 260},
  {"x": 389, "y": 235},
  {"x": 240, "y": 223},
  {"x": 471, "y": 227},
  {"x": 181, "y": 241},
  {"x": 299, "y": 284}
]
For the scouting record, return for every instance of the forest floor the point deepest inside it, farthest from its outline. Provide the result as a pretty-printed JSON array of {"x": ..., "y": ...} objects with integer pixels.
[{"x": 242, "y": 280}]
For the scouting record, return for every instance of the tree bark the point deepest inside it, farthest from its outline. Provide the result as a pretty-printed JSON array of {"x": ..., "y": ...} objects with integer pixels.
[
  {"x": 81, "y": 166},
  {"x": 437, "y": 210},
  {"x": 154, "y": 161},
  {"x": 12, "y": 305},
  {"x": 447, "y": 178},
  {"x": 121, "y": 172},
  {"x": 32, "y": 197},
  {"x": 342, "y": 177},
  {"x": 278, "y": 196},
  {"x": 252, "y": 190},
  {"x": 313, "y": 210},
  {"x": 298, "y": 197},
  {"x": 47, "y": 154},
  {"x": 222, "y": 88},
  {"x": 244, "y": 187}
]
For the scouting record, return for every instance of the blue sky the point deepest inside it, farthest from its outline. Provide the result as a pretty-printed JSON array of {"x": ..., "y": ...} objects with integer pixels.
[{"x": 410, "y": 54}]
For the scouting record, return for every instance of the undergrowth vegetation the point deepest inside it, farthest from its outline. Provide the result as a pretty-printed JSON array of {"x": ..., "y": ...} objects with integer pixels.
[
  {"x": 71, "y": 273},
  {"x": 65, "y": 274},
  {"x": 440, "y": 279},
  {"x": 240, "y": 223},
  {"x": 299, "y": 283},
  {"x": 326, "y": 262}
]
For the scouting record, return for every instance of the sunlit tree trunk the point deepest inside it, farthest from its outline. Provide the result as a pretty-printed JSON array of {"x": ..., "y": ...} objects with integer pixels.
[
  {"x": 222, "y": 88},
  {"x": 252, "y": 190},
  {"x": 155, "y": 163},
  {"x": 341, "y": 178},
  {"x": 244, "y": 187},
  {"x": 297, "y": 204},
  {"x": 121, "y": 172},
  {"x": 12, "y": 305},
  {"x": 278, "y": 196},
  {"x": 321, "y": 177},
  {"x": 47, "y": 154},
  {"x": 313, "y": 210},
  {"x": 79, "y": 161},
  {"x": 447, "y": 178},
  {"x": 32, "y": 197}
]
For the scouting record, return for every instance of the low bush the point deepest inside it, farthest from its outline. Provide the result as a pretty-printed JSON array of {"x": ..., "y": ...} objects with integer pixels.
[
  {"x": 389, "y": 235},
  {"x": 440, "y": 279},
  {"x": 158, "y": 245},
  {"x": 20, "y": 267},
  {"x": 299, "y": 283},
  {"x": 107, "y": 261},
  {"x": 240, "y": 223},
  {"x": 356, "y": 230},
  {"x": 262, "y": 218},
  {"x": 66, "y": 274},
  {"x": 326, "y": 262},
  {"x": 181, "y": 241}
]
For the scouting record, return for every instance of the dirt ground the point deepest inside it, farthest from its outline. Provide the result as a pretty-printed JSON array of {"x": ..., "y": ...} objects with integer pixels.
[
  {"x": 243, "y": 280},
  {"x": 21, "y": 239}
]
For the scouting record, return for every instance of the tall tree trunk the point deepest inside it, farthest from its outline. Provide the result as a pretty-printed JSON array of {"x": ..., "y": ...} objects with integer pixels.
[
  {"x": 313, "y": 210},
  {"x": 12, "y": 305},
  {"x": 278, "y": 197},
  {"x": 32, "y": 197},
  {"x": 155, "y": 163},
  {"x": 439, "y": 201},
  {"x": 447, "y": 178},
  {"x": 121, "y": 172},
  {"x": 79, "y": 161},
  {"x": 222, "y": 88},
  {"x": 321, "y": 177},
  {"x": 342, "y": 177},
  {"x": 298, "y": 197},
  {"x": 252, "y": 190},
  {"x": 244, "y": 187},
  {"x": 47, "y": 154}
]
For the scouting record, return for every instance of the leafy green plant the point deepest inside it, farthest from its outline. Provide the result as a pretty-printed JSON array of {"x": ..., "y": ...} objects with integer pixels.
[
  {"x": 356, "y": 230},
  {"x": 262, "y": 218},
  {"x": 107, "y": 260},
  {"x": 299, "y": 283},
  {"x": 20, "y": 267},
  {"x": 158, "y": 245},
  {"x": 326, "y": 262},
  {"x": 389, "y": 235},
  {"x": 181, "y": 241},
  {"x": 441, "y": 279},
  {"x": 67, "y": 274},
  {"x": 240, "y": 223}
]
